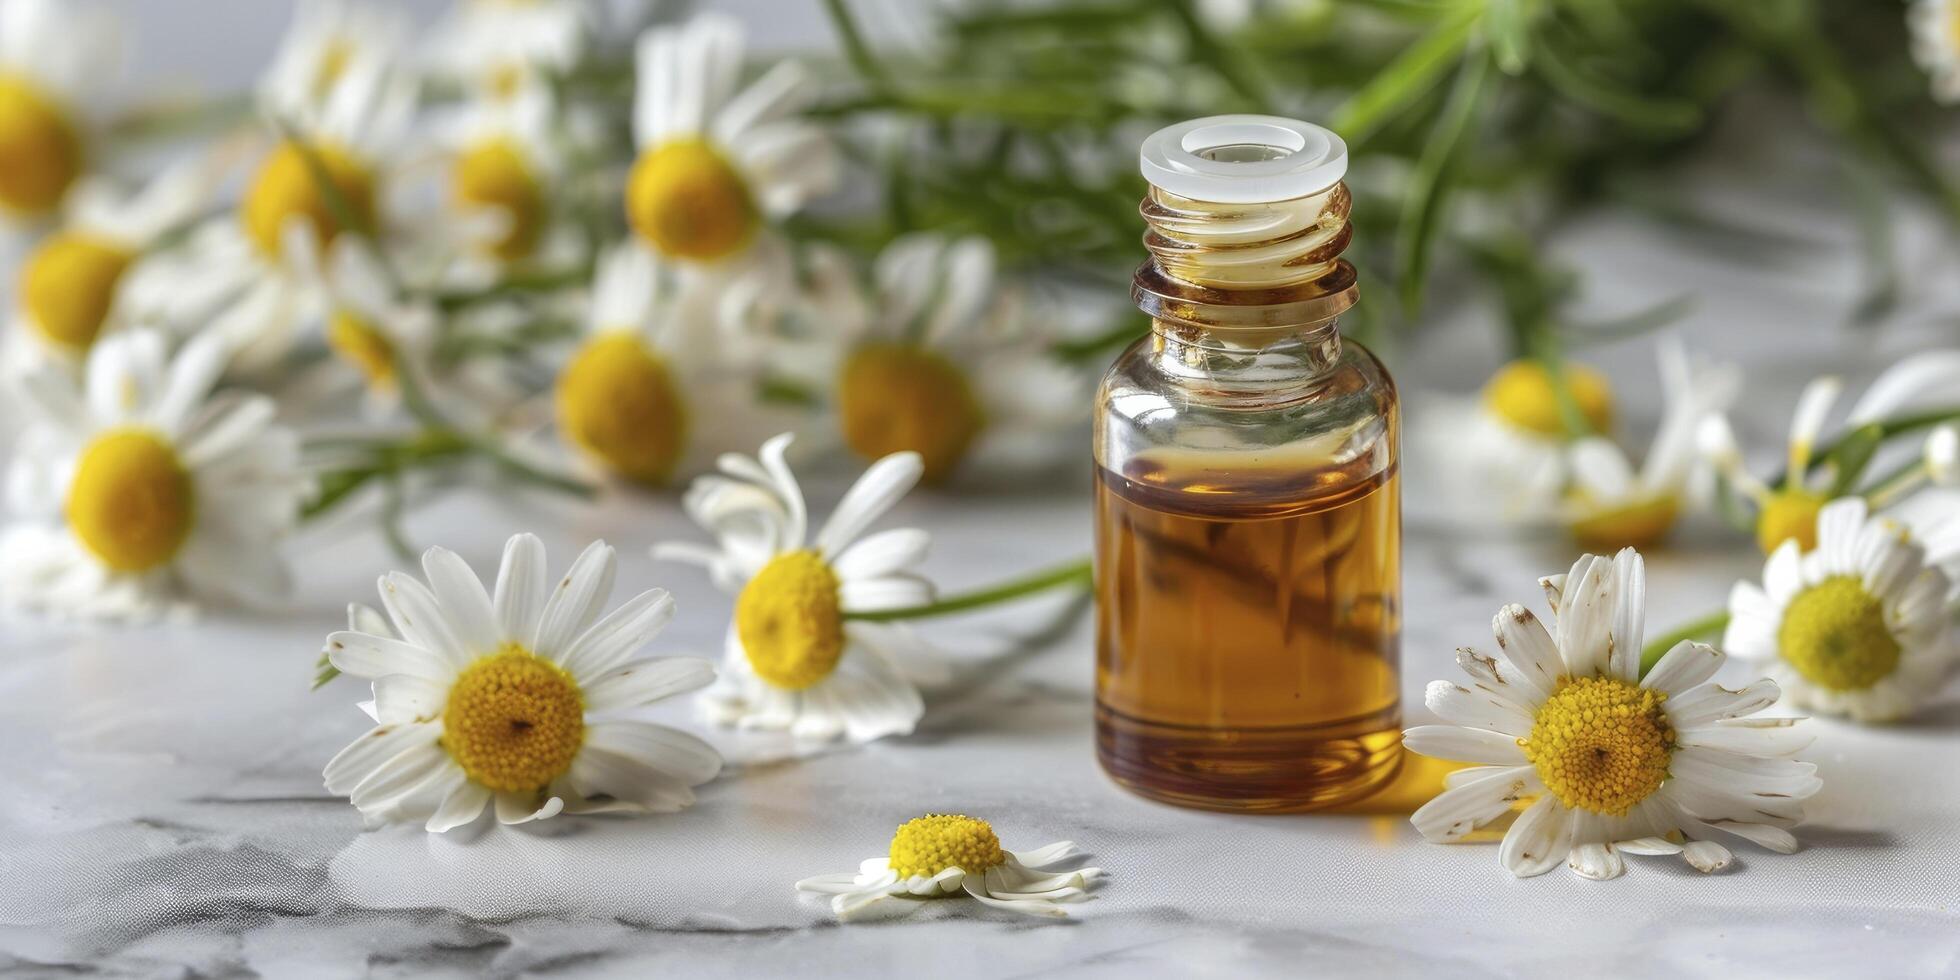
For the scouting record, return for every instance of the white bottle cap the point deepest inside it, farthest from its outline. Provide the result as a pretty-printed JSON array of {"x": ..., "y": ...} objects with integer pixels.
[{"x": 1243, "y": 159}]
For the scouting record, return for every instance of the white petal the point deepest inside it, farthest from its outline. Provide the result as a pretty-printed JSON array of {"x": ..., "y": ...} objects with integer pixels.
[
  {"x": 882, "y": 554},
  {"x": 465, "y": 604},
  {"x": 1464, "y": 745},
  {"x": 418, "y": 618},
  {"x": 1476, "y": 708},
  {"x": 521, "y": 585},
  {"x": 1689, "y": 663},
  {"x": 1530, "y": 648},
  {"x": 463, "y": 805},
  {"x": 1539, "y": 840},
  {"x": 647, "y": 681},
  {"x": 376, "y": 750},
  {"x": 1706, "y": 856},
  {"x": 880, "y": 594},
  {"x": 1585, "y": 619},
  {"x": 1629, "y": 616},
  {"x": 669, "y": 750},
  {"x": 368, "y": 656},
  {"x": 613, "y": 640},
  {"x": 1457, "y": 811},
  {"x": 875, "y": 492},
  {"x": 1711, "y": 701},
  {"x": 576, "y": 600},
  {"x": 515, "y": 809},
  {"x": 1600, "y": 862}
]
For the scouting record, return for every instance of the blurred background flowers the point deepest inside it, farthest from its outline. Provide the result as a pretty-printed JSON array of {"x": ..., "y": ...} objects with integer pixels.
[{"x": 590, "y": 246}]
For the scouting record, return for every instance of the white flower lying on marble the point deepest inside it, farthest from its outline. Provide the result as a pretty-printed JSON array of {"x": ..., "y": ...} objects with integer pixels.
[
  {"x": 525, "y": 698},
  {"x": 138, "y": 490},
  {"x": 943, "y": 854},
  {"x": 1617, "y": 764},
  {"x": 1858, "y": 626},
  {"x": 796, "y": 659}
]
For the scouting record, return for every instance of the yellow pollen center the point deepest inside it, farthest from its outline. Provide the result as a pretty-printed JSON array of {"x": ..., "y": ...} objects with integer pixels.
[
  {"x": 361, "y": 344},
  {"x": 1601, "y": 744},
  {"x": 893, "y": 397},
  {"x": 1789, "y": 514},
  {"x": 131, "y": 502},
  {"x": 688, "y": 202},
  {"x": 40, "y": 150},
  {"x": 617, "y": 400},
  {"x": 1639, "y": 524},
  {"x": 790, "y": 620},
  {"x": 285, "y": 188},
  {"x": 514, "y": 722},
  {"x": 495, "y": 174},
  {"x": 925, "y": 846},
  {"x": 1834, "y": 634},
  {"x": 1521, "y": 393},
  {"x": 68, "y": 286}
]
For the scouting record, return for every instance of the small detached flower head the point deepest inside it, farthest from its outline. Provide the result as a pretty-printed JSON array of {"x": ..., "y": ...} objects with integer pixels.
[
  {"x": 524, "y": 697},
  {"x": 715, "y": 163},
  {"x": 1610, "y": 762},
  {"x": 55, "y": 57},
  {"x": 1857, "y": 626},
  {"x": 139, "y": 490},
  {"x": 943, "y": 854},
  {"x": 797, "y": 660}
]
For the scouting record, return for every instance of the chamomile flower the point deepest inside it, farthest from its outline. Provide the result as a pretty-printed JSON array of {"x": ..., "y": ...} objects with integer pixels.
[
  {"x": 1789, "y": 511},
  {"x": 940, "y": 359},
  {"x": 138, "y": 490},
  {"x": 71, "y": 286},
  {"x": 524, "y": 697},
  {"x": 1613, "y": 763},
  {"x": 1858, "y": 626},
  {"x": 942, "y": 854},
  {"x": 1505, "y": 455},
  {"x": 505, "y": 159},
  {"x": 1936, "y": 44},
  {"x": 1612, "y": 506},
  {"x": 255, "y": 275},
  {"x": 796, "y": 657},
  {"x": 656, "y": 382},
  {"x": 373, "y": 329},
  {"x": 53, "y": 60},
  {"x": 498, "y": 47},
  {"x": 715, "y": 165}
]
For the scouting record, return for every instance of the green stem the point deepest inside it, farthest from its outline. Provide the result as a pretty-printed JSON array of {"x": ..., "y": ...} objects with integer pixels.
[
  {"x": 1692, "y": 630},
  {"x": 1079, "y": 573},
  {"x": 1887, "y": 429},
  {"x": 855, "y": 48}
]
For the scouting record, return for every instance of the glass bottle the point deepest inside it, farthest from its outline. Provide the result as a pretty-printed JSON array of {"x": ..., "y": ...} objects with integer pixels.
[{"x": 1248, "y": 516}]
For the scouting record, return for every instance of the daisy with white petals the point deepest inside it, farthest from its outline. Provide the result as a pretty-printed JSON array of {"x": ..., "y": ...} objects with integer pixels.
[
  {"x": 715, "y": 165},
  {"x": 1858, "y": 626},
  {"x": 55, "y": 56},
  {"x": 797, "y": 659},
  {"x": 1613, "y": 763},
  {"x": 940, "y": 358},
  {"x": 497, "y": 47},
  {"x": 942, "y": 854},
  {"x": 1503, "y": 457},
  {"x": 524, "y": 697},
  {"x": 505, "y": 158},
  {"x": 71, "y": 287},
  {"x": 327, "y": 40},
  {"x": 1789, "y": 511},
  {"x": 139, "y": 489}
]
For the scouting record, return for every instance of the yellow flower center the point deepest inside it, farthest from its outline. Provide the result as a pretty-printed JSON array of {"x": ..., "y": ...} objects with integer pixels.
[
  {"x": 1601, "y": 744},
  {"x": 1522, "y": 394},
  {"x": 68, "y": 285},
  {"x": 617, "y": 400},
  {"x": 285, "y": 188},
  {"x": 514, "y": 721},
  {"x": 1789, "y": 514},
  {"x": 893, "y": 397},
  {"x": 495, "y": 174},
  {"x": 1640, "y": 524},
  {"x": 131, "y": 501},
  {"x": 363, "y": 345},
  {"x": 688, "y": 201},
  {"x": 791, "y": 621},
  {"x": 925, "y": 846},
  {"x": 1834, "y": 634},
  {"x": 40, "y": 150}
]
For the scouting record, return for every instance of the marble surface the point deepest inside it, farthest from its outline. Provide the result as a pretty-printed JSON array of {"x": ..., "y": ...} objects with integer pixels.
[{"x": 161, "y": 812}]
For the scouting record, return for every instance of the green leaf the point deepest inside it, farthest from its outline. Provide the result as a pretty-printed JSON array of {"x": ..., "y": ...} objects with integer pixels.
[
  {"x": 1507, "y": 23},
  {"x": 1405, "y": 79},
  {"x": 1435, "y": 175}
]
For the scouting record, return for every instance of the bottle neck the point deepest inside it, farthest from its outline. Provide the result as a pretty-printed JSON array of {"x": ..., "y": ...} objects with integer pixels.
[{"x": 1234, "y": 281}]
